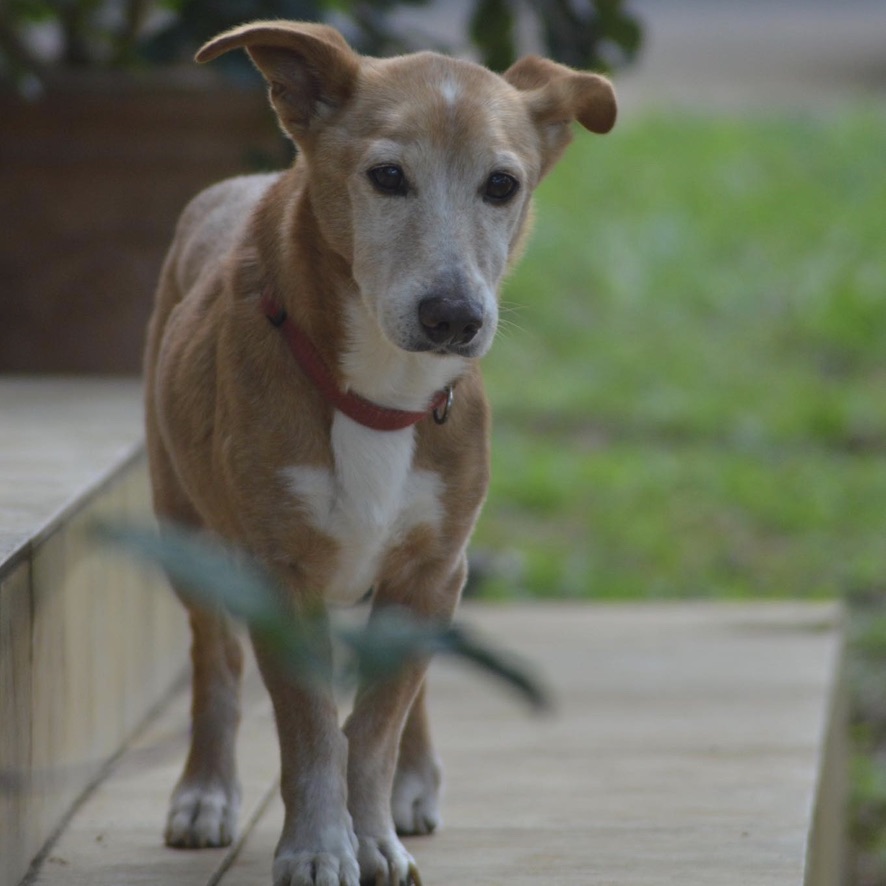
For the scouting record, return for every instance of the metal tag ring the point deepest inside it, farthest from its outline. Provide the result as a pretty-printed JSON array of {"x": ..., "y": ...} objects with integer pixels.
[{"x": 441, "y": 413}]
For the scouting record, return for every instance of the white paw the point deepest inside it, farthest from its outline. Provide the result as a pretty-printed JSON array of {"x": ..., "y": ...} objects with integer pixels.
[
  {"x": 316, "y": 869},
  {"x": 202, "y": 815},
  {"x": 384, "y": 862},
  {"x": 415, "y": 799}
]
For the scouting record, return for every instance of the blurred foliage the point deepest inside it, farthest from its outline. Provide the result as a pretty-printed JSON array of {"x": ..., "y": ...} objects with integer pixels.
[
  {"x": 601, "y": 34},
  {"x": 38, "y": 35},
  {"x": 219, "y": 576}
]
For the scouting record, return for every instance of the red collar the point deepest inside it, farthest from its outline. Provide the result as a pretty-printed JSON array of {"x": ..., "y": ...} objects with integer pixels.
[{"x": 364, "y": 412}]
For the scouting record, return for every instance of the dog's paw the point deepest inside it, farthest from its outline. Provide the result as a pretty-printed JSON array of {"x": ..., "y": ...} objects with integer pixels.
[
  {"x": 202, "y": 815},
  {"x": 415, "y": 799},
  {"x": 384, "y": 862},
  {"x": 316, "y": 869}
]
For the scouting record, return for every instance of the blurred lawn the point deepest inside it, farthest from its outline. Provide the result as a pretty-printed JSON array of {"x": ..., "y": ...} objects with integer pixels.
[{"x": 690, "y": 386}]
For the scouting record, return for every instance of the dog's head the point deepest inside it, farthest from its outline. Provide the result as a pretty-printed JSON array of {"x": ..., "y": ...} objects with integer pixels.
[{"x": 420, "y": 168}]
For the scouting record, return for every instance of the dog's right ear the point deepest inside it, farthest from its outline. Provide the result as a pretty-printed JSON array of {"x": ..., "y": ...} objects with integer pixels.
[{"x": 310, "y": 69}]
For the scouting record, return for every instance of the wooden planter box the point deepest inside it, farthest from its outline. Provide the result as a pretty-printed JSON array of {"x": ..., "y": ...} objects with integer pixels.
[{"x": 92, "y": 179}]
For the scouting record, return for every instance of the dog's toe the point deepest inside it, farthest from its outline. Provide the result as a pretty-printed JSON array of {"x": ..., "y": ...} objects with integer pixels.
[
  {"x": 415, "y": 802},
  {"x": 202, "y": 816},
  {"x": 385, "y": 862},
  {"x": 316, "y": 869}
]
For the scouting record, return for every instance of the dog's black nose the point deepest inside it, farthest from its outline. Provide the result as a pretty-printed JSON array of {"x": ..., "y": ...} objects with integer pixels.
[{"x": 448, "y": 320}]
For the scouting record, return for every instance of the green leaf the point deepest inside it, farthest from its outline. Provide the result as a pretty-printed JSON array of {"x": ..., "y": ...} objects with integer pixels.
[
  {"x": 462, "y": 643},
  {"x": 211, "y": 574},
  {"x": 208, "y": 572}
]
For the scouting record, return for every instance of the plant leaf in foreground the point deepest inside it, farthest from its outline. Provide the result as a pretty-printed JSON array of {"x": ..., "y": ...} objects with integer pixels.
[{"x": 215, "y": 575}]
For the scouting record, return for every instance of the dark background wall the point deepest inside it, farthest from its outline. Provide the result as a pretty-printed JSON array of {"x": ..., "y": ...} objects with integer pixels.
[{"x": 92, "y": 180}]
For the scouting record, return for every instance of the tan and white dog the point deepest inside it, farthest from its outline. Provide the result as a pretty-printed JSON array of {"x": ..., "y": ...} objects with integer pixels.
[{"x": 314, "y": 396}]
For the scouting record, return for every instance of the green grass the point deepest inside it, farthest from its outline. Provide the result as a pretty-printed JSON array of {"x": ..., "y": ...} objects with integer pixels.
[
  {"x": 689, "y": 387},
  {"x": 635, "y": 520}
]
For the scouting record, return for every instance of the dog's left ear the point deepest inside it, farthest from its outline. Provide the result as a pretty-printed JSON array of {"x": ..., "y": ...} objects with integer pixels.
[
  {"x": 557, "y": 95},
  {"x": 310, "y": 69}
]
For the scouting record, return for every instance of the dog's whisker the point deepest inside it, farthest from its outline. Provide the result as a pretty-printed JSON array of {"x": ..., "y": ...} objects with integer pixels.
[{"x": 507, "y": 327}]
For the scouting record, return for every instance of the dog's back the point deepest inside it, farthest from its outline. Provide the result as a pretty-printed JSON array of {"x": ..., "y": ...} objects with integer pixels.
[{"x": 208, "y": 230}]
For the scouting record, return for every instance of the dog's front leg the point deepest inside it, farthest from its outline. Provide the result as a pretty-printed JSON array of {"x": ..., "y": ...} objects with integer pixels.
[
  {"x": 205, "y": 803},
  {"x": 415, "y": 800},
  {"x": 374, "y": 732},
  {"x": 317, "y": 846}
]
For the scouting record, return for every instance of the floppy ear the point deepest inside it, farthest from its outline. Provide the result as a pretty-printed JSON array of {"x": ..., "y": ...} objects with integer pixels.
[
  {"x": 310, "y": 69},
  {"x": 557, "y": 95}
]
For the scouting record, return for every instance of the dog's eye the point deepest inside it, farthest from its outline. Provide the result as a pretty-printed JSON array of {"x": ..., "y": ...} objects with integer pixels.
[
  {"x": 500, "y": 187},
  {"x": 389, "y": 179}
]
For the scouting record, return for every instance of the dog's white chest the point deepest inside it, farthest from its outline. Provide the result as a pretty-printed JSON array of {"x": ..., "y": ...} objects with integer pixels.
[{"x": 372, "y": 499}]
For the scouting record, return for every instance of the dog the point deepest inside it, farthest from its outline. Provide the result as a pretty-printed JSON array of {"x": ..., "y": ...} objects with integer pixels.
[{"x": 314, "y": 396}]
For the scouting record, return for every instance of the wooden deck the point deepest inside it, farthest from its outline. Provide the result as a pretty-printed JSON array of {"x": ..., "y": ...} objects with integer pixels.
[
  {"x": 687, "y": 747},
  {"x": 692, "y": 743}
]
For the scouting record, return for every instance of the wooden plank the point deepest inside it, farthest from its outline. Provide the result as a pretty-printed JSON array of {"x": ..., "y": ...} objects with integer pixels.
[
  {"x": 108, "y": 642},
  {"x": 59, "y": 438},
  {"x": 88, "y": 643},
  {"x": 17, "y": 840},
  {"x": 134, "y": 614},
  {"x": 116, "y": 837}
]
